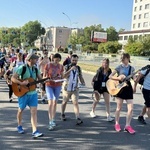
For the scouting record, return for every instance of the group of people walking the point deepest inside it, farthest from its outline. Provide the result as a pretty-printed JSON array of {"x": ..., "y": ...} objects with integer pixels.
[{"x": 66, "y": 79}]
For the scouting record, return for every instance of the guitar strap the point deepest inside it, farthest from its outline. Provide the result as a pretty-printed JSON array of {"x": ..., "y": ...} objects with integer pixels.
[{"x": 129, "y": 71}]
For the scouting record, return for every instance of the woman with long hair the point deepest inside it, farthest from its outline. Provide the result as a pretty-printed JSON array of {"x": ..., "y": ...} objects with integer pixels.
[{"x": 99, "y": 85}]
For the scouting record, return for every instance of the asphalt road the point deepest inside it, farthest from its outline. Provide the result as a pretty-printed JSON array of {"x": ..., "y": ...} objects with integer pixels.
[{"x": 93, "y": 134}]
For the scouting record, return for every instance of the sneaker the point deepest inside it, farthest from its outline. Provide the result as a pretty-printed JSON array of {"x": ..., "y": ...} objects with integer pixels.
[
  {"x": 129, "y": 129},
  {"x": 63, "y": 118},
  {"x": 79, "y": 121},
  {"x": 110, "y": 119},
  {"x": 37, "y": 134},
  {"x": 92, "y": 114},
  {"x": 20, "y": 129},
  {"x": 141, "y": 119},
  {"x": 52, "y": 123},
  {"x": 117, "y": 127},
  {"x": 51, "y": 127},
  {"x": 43, "y": 101},
  {"x": 10, "y": 100}
]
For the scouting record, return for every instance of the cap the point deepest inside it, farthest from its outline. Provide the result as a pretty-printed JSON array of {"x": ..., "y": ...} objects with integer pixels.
[{"x": 31, "y": 56}]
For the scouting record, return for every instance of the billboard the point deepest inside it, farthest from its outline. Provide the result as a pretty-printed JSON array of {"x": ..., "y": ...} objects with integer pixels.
[{"x": 98, "y": 37}]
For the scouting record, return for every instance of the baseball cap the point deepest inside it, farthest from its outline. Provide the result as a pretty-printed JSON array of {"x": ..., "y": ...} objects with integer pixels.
[{"x": 31, "y": 56}]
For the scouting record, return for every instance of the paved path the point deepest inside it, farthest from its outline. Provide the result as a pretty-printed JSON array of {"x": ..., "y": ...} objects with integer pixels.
[{"x": 94, "y": 134}]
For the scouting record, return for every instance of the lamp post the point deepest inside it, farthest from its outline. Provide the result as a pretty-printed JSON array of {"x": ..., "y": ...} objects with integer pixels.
[{"x": 68, "y": 18}]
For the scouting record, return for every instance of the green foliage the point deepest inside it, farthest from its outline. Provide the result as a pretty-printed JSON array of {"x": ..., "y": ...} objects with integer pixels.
[
  {"x": 10, "y": 36},
  {"x": 109, "y": 47},
  {"x": 27, "y": 34},
  {"x": 140, "y": 47},
  {"x": 30, "y": 31},
  {"x": 112, "y": 34}
]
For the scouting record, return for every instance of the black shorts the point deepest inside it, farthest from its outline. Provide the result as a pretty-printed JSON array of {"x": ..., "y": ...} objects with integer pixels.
[
  {"x": 126, "y": 92},
  {"x": 146, "y": 95},
  {"x": 102, "y": 90}
]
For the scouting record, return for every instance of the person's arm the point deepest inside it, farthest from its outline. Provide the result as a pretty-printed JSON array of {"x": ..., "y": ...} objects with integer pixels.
[
  {"x": 66, "y": 73},
  {"x": 15, "y": 79},
  {"x": 113, "y": 77}
]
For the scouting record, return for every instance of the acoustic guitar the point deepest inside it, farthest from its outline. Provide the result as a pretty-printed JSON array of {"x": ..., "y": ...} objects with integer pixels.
[
  {"x": 20, "y": 90},
  {"x": 114, "y": 86}
]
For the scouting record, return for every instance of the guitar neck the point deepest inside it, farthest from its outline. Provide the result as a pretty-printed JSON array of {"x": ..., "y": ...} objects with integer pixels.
[{"x": 38, "y": 81}]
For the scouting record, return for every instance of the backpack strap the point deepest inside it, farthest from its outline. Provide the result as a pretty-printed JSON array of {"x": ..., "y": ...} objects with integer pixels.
[
  {"x": 129, "y": 72},
  {"x": 24, "y": 68}
]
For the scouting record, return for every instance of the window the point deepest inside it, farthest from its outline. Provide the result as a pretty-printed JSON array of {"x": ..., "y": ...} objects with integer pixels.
[
  {"x": 145, "y": 24},
  {"x": 133, "y": 26},
  {"x": 134, "y": 17},
  {"x": 139, "y": 25},
  {"x": 60, "y": 31},
  {"x": 146, "y": 15},
  {"x": 146, "y": 6},
  {"x": 140, "y": 0},
  {"x": 135, "y": 1},
  {"x": 140, "y": 16},
  {"x": 120, "y": 37},
  {"x": 125, "y": 37},
  {"x": 135, "y": 8},
  {"x": 140, "y": 8},
  {"x": 135, "y": 37}
]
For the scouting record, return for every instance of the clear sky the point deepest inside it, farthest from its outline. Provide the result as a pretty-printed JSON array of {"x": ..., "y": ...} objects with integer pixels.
[{"x": 117, "y": 13}]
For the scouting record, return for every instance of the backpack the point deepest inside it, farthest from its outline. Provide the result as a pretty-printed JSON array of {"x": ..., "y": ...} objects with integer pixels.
[
  {"x": 141, "y": 81},
  {"x": 24, "y": 70}
]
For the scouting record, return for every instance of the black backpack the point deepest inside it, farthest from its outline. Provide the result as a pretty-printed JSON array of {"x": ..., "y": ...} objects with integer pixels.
[
  {"x": 141, "y": 81},
  {"x": 24, "y": 70}
]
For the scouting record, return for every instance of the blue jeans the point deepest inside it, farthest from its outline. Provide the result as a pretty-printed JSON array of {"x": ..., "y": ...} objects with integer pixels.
[{"x": 53, "y": 92}]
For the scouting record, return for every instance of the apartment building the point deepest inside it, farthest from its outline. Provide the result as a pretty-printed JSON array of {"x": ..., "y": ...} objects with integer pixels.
[
  {"x": 140, "y": 25},
  {"x": 54, "y": 38}
]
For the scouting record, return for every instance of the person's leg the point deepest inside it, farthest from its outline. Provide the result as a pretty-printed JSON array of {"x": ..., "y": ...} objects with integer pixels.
[
  {"x": 96, "y": 100},
  {"x": 141, "y": 116},
  {"x": 19, "y": 117},
  {"x": 107, "y": 104},
  {"x": 66, "y": 96},
  {"x": 33, "y": 111},
  {"x": 56, "y": 95},
  {"x": 148, "y": 112},
  {"x": 32, "y": 102},
  {"x": 22, "y": 102},
  {"x": 118, "y": 109},
  {"x": 143, "y": 112},
  {"x": 128, "y": 127},
  {"x": 130, "y": 112},
  {"x": 50, "y": 96}
]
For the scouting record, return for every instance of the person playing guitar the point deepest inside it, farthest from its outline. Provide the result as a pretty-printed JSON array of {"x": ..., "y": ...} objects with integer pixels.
[
  {"x": 30, "y": 98},
  {"x": 126, "y": 93}
]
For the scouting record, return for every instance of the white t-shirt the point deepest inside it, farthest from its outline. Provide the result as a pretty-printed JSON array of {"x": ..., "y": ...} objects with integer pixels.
[{"x": 146, "y": 83}]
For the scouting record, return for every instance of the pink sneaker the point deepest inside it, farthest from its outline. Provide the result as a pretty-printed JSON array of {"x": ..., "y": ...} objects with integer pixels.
[
  {"x": 117, "y": 127},
  {"x": 129, "y": 129}
]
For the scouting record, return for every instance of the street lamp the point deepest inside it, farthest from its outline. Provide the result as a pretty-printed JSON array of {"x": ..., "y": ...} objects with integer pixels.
[{"x": 68, "y": 18}]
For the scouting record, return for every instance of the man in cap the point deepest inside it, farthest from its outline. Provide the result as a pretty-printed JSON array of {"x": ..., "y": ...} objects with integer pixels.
[{"x": 30, "y": 98}]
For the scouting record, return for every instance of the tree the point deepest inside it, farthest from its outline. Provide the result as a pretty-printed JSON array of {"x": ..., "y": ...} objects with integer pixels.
[
  {"x": 30, "y": 31},
  {"x": 112, "y": 34},
  {"x": 109, "y": 47}
]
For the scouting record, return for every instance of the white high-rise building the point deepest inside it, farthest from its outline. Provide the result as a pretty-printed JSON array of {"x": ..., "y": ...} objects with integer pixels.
[
  {"x": 140, "y": 15},
  {"x": 140, "y": 25}
]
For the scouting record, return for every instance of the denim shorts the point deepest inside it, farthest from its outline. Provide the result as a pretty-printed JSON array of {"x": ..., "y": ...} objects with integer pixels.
[
  {"x": 53, "y": 92},
  {"x": 28, "y": 100}
]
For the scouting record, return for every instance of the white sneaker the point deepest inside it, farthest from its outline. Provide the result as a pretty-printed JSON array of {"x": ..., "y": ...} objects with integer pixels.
[
  {"x": 92, "y": 114},
  {"x": 110, "y": 119}
]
